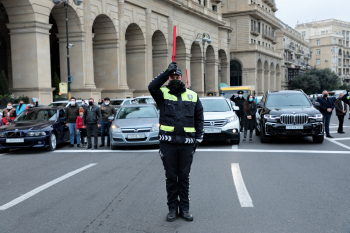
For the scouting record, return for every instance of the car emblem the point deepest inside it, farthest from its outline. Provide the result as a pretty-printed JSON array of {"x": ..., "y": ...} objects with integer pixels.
[
  {"x": 136, "y": 131},
  {"x": 212, "y": 123},
  {"x": 190, "y": 96}
]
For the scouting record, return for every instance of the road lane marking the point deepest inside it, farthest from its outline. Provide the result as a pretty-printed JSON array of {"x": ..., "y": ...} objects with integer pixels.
[
  {"x": 242, "y": 192},
  {"x": 234, "y": 147},
  {"x": 211, "y": 150},
  {"x": 338, "y": 143},
  {"x": 337, "y": 139},
  {"x": 43, "y": 187}
]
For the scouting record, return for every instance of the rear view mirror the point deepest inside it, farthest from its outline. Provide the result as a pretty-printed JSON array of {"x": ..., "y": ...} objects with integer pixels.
[{"x": 235, "y": 108}]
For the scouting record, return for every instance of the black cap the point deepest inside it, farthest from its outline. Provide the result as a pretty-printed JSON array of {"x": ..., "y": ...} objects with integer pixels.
[
  {"x": 107, "y": 98},
  {"x": 178, "y": 72},
  {"x": 240, "y": 92}
]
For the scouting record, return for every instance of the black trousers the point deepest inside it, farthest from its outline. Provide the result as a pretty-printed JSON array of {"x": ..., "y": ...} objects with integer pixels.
[
  {"x": 92, "y": 129},
  {"x": 241, "y": 121},
  {"x": 177, "y": 161},
  {"x": 341, "y": 123},
  {"x": 82, "y": 135}
]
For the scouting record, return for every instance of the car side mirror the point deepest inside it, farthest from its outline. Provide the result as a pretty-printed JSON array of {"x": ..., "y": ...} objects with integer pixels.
[
  {"x": 62, "y": 119},
  {"x": 235, "y": 108}
]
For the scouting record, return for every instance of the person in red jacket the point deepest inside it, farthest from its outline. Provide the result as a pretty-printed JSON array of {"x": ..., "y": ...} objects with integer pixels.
[
  {"x": 9, "y": 114},
  {"x": 81, "y": 129}
]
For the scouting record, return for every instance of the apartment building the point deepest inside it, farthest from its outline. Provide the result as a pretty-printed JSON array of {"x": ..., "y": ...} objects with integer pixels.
[
  {"x": 296, "y": 53},
  {"x": 330, "y": 45},
  {"x": 254, "y": 58}
]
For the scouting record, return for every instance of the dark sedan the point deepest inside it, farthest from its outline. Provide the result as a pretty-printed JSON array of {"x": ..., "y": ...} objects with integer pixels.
[{"x": 35, "y": 127}]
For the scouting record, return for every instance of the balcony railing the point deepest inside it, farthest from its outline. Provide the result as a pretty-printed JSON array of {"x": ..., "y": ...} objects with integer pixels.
[
  {"x": 266, "y": 50},
  {"x": 255, "y": 31},
  {"x": 288, "y": 60},
  {"x": 269, "y": 36}
]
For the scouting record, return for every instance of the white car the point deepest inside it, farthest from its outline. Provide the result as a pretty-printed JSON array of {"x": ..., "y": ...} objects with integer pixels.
[
  {"x": 220, "y": 120},
  {"x": 145, "y": 100},
  {"x": 65, "y": 103}
]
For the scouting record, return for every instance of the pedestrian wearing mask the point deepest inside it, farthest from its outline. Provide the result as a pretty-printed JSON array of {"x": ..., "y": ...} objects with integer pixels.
[
  {"x": 340, "y": 109},
  {"x": 239, "y": 101},
  {"x": 71, "y": 114},
  {"x": 107, "y": 112},
  {"x": 81, "y": 128},
  {"x": 326, "y": 108},
  {"x": 9, "y": 114},
  {"x": 181, "y": 130},
  {"x": 21, "y": 107},
  {"x": 92, "y": 119},
  {"x": 249, "y": 117}
]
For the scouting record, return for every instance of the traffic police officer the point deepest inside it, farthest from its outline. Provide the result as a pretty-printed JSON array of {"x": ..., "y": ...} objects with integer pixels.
[
  {"x": 239, "y": 101},
  {"x": 181, "y": 129}
]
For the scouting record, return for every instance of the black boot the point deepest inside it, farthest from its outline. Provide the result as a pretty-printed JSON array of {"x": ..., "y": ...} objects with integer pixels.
[
  {"x": 171, "y": 216},
  {"x": 186, "y": 215}
]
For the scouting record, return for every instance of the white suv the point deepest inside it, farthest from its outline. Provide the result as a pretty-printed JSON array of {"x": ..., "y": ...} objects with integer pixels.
[{"x": 220, "y": 120}]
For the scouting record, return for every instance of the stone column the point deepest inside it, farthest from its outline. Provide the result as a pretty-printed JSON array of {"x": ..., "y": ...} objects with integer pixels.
[
  {"x": 278, "y": 81},
  {"x": 30, "y": 49},
  {"x": 183, "y": 62},
  {"x": 260, "y": 82},
  {"x": 122, "y": 51},
  {"x": 149, "y": 60},
  {"x": 225, "y": 72},
  {"x": 170, "y": 37},
  {"x": 272, "y": 81},
  {"x": 266, "y": 80}
]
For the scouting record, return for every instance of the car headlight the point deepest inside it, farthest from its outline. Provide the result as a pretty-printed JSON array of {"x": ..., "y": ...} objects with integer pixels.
[
  {"x": 231, "y": 119},
  {"x": 2, "y": 135},
  {"x": 116, "y": 129},
  {"x": 317, "y": 116},
  {"x": 155, "y": 127},
  {"x": 35, "y": 134},
  {"x": 271, "y": 117}
]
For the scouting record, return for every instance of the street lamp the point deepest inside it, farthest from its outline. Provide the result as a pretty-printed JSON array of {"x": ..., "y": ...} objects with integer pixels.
[
  {"x": 205, "y": 39},
  {"x": 66, "y": 4}
]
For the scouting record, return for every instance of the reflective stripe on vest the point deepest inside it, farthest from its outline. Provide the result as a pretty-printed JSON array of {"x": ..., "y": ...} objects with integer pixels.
[
  {"x": 189, "y": 129},
  {"x": 167, "y": 128},
  {"x": 186, "y": 96}
]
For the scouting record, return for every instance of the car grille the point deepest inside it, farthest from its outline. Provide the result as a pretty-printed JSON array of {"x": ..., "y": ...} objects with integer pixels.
[
  {"x": 294, "y": 119},
  {"x": 136, "y": 140},
  {"x": 140, "y": 130},
  {"x": 15, "y": 134},
  {"x": 215, "y": 123}
]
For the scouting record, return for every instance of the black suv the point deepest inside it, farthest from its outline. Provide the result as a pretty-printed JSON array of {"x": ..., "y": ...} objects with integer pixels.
[{"x": 288, "y": 113}]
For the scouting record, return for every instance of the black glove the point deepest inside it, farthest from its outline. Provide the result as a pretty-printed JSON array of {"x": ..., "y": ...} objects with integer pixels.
[
  {"x": 196, "y": 144},
  {"x": 172, "y": 67}
]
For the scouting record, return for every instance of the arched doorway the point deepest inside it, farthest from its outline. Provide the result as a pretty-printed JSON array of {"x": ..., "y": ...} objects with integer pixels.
[
  {"x": 196, "y": 74},
  {"x": 181, "y": 56},
  {"x": 211, "y": 80},
  {"x": 105, "y": 55},
  {"x": 5, "y": 47},
  {"x": 223, "y": 72},
  {"x": 260, "y": 83},
  {"x": 159, "y": 53},
  {"x": 135, "y": 58},
  {"x": 235, "y": 73},
  {"x": 54, "y": 55}
]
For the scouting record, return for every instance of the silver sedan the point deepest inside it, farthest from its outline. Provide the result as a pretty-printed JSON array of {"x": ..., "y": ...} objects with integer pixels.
[{"x": 135, "y": 125}]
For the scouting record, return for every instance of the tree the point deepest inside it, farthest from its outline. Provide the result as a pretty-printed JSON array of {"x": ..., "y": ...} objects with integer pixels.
[
  {"x": 4, "y": 85},
  {"x": 344, "y": 86},
  {"x": 310, "y": 84},
  {"x": 55, "y": 83},
  {"x": 316, "y": 81}
]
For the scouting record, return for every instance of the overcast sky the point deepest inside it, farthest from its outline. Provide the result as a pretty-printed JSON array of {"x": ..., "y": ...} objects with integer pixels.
[{"x": 292, "y": 11}]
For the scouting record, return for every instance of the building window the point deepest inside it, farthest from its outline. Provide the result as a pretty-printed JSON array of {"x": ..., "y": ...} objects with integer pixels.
[
  {"x": 303, "y": 33},
  {"x": 334, "y": 41},
  {"x": 318, "y": 52},
  {"x": 334, "y": 60},
  {"x": 252, "y": 26},
  {"x": 259, "y": 27},
  {"x": 340, "y": 41},
  {"x": 335, "y": 50},
  {"x": 258, "y": 42},
  {"x": 252, "y": 41},
  {"x": 318, "y": 62},
  {"x": 214, "y": 7},
  {"x": 199, "y": 2},
  {"x": 263, "y": 43},
  {"x": 334, "y": 69},
  {"x": 318, "y": 42}
]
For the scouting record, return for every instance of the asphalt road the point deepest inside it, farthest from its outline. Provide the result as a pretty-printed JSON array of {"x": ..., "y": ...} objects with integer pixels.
[{"x": 289, "y": 185}]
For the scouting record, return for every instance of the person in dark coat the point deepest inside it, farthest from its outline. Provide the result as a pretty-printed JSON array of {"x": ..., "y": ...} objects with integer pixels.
[
  {"x": 340, "y": 109},
  {"x": 249, "y": 108},
  {"x": 326, "y": 108},
  {"x": 239, "y": 101}
]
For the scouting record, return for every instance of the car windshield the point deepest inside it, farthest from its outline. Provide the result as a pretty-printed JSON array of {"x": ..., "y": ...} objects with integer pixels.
[
  {"x": 137, "y": 112},
  {"x": 37, "y": 115},
  {"x": 116, "y": 102},
  {"x": 284, "y": 100},
  {"x": 58, "y": 104},
  {"x": 145, "y": 100},
  {"x": 229, "y": 94},
  {"x": 215, "y": 105}
]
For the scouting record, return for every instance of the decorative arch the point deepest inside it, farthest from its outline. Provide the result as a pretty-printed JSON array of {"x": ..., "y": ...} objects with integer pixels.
[
  {"x": 196, "y": 74},
  {"x": 211, "y": 81},
  {"x": 223, "y": 70},
  {"x": 159, "y": 52},
  {"x": 235, "y": 73},
  {"x": 181, "y": 55}
]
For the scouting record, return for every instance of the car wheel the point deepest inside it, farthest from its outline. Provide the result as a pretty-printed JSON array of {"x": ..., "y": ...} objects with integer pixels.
[
  {"x": 52, "y": 142},
  {"x": 318, "y": 139},
  {"x": 263, "y": 137}
]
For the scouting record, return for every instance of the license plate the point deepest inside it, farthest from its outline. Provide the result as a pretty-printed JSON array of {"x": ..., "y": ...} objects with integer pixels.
[
  {"x": 136, "y": 136},
  {"x": 14, "y": 140},
  {"x": 294, "y": 127},
  {"x": 212, "y": 130}
]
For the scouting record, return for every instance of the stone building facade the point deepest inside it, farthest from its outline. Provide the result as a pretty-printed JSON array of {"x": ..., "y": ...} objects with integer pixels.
[
  {"x": 254, "y": 59},
  {"x": 330, "y": 45},
  {"x": 119, "y": 45},
  {"x": 296, "y": 53}
]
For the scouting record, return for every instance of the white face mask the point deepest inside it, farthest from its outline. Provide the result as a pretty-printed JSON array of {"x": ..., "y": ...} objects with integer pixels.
[
  {"x": 9, "y": 107},
  {"x": 72, "y": 103},
  {"x": 106, "y": 103},
  {"x": 240, "y": 96}
]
